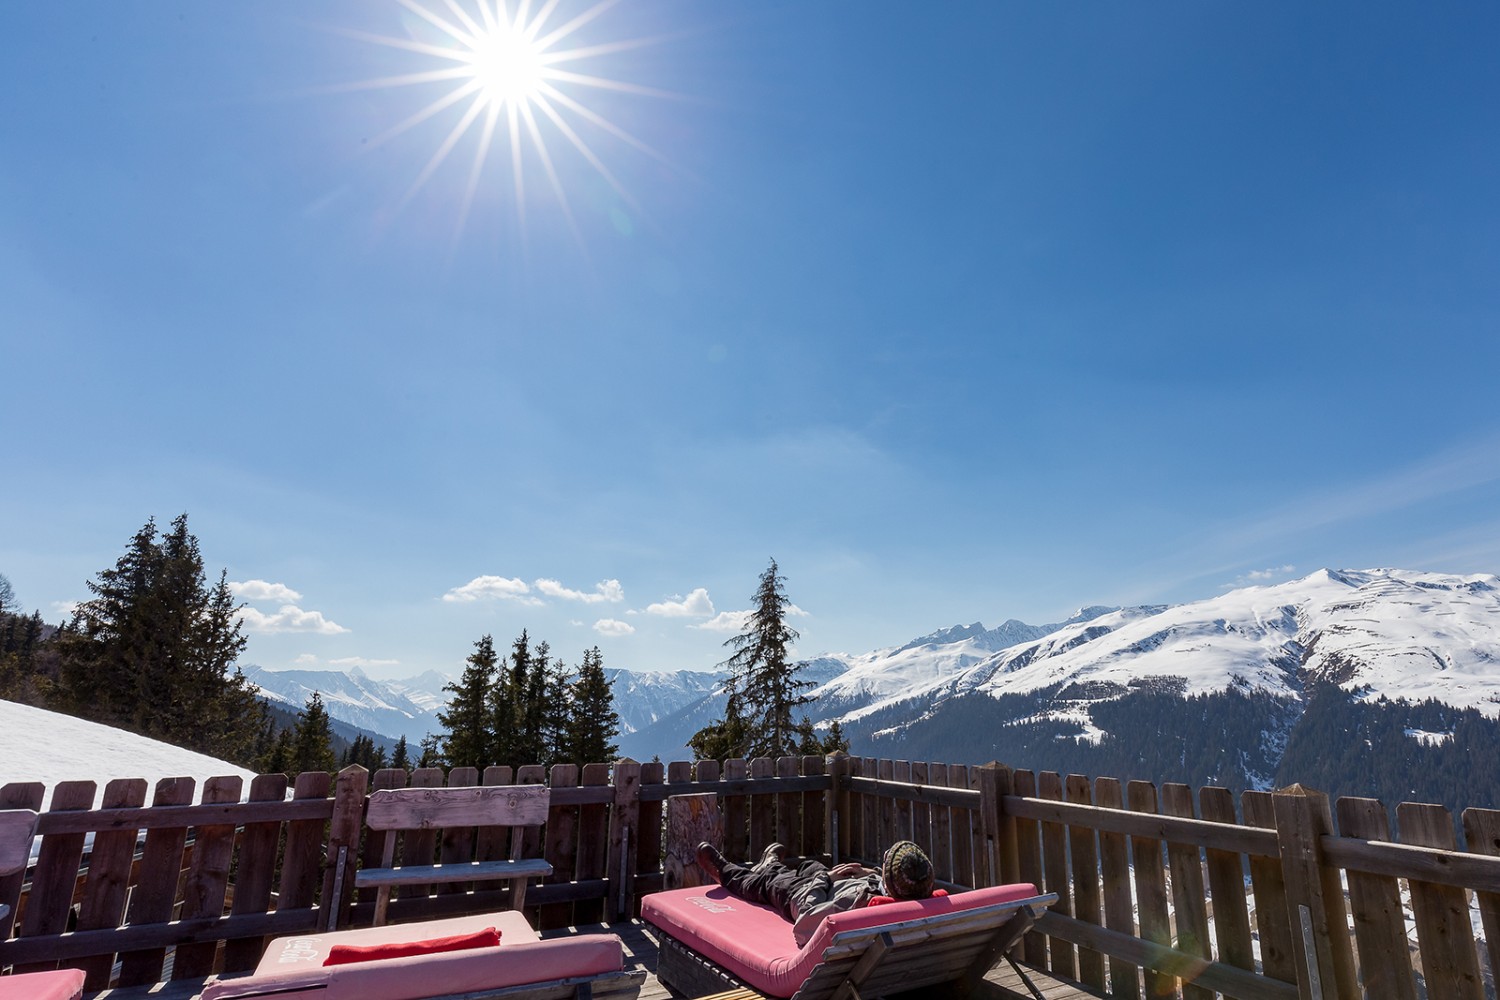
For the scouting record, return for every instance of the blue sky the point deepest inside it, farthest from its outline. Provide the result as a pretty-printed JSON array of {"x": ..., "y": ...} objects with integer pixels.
[{"x": 961, "y": 312}]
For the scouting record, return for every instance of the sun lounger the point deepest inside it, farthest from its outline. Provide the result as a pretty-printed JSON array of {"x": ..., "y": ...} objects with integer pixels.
[
  {"x": 713, "y": 941},
  {"x": 520, "y": 966}
]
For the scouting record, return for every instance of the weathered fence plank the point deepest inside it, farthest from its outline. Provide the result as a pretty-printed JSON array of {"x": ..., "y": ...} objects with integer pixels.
[
  {"x": 1114, "y": 860},
  {"x": 814, "y": 816},
  {"x": 960, "y": 822},
  {"x": 736, "y": 812},
  {"x": 1029, "y": 858},
  {"x": 207, "y": 879},
  {"x": 1315, "y": 895},
  {"x": 155, "y": 891},
  {"x": 562, "y": 847},
  {"x": 108, "y": 883},
  {"x": 1151, "y": 888},
  {"x": 1062, "y": 956},
  {"x": 624, "y": 830},
  {"x": 903, "y": 829},
  {"x": 649, "y": 836},
  {"x": 1482, "y": 835},
  {"x": 788, "y": 809},
  {"x": 1226, "y": 882},
  {"x": 1188, "y": 901},
  {"x": 1272, "y": 917},
  {"x": 1088, "y": 901},
  {"x": 255, "y": 871},
  {"x": 1444, "y": 934},
  {"x": 52, "y": 883},
  {"x": 1379, "y": 927},
  {"x": 593, "y": 844}
]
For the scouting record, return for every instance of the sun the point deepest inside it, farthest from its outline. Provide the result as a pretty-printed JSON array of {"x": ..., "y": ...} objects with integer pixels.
[
  {"x": 505, "y": 75},
  {"x": 507, "y": 65}
]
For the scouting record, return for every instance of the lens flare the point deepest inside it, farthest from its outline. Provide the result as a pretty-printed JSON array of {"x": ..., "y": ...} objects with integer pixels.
[{"x": 501, "y": 80}]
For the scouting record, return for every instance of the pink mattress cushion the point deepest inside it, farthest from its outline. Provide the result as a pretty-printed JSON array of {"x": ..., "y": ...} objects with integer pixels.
[
  {"x": 64, "y": 984},
  {"x": 754, "y": 942},
  {"x": 293, "y": 966}
]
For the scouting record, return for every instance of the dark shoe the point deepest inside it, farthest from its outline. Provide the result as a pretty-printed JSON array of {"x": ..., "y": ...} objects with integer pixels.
[
  {"x": 774, "y": 854},
  {"x": 711, "y": 861}
]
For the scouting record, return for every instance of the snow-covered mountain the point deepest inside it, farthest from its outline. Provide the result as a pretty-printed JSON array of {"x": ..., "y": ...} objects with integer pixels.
[
  {"x": 1385, "y": 633},
  {"x": 925, "y": 663},
  {"x": 351, "y": 696},
  {"x": 1379, "y": 682},
  {"x": 1223, "y": 687},
  {"x": 643, "y": 697},
  {"x": 408, "y": 707}
]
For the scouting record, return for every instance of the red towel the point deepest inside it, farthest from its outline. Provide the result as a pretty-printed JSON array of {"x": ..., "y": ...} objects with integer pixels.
[
  {"x": 343, "y": 954},
  {"x": 883, "y": 900}
]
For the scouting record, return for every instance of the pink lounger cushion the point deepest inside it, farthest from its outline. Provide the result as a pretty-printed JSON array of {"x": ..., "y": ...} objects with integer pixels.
[
  {"x": 293, "y": 966},
  {"x": 754, "y": 943},
  {"x": 64, "y": 984}
]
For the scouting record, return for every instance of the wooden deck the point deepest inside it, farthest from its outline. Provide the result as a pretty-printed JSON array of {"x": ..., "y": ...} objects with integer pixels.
[{"x": 640, "y": 953}]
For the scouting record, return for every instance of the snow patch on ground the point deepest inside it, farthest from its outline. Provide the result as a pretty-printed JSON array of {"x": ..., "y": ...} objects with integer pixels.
[{"x": 38, "y": 745}]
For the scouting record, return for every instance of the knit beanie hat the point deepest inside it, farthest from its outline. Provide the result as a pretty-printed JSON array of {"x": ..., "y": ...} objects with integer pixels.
[{"x": 906, "y": 871}]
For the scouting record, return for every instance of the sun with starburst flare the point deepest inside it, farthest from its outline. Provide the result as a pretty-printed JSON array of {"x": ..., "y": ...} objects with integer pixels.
[{"x": 501, "y": 69}]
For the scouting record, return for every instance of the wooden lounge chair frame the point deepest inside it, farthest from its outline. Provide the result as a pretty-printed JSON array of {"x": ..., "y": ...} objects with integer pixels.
[
  {"x": 956, "y": 948},
  {"x": 605, "y": 986},
  {"x": 515, "y": 806}
]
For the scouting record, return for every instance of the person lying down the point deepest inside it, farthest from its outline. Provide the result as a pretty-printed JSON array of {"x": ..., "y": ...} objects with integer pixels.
[{"x": 810, "y": 891}]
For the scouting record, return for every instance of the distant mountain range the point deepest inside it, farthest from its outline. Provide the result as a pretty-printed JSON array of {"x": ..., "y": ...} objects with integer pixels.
[{"x": 1243, "y": 689}]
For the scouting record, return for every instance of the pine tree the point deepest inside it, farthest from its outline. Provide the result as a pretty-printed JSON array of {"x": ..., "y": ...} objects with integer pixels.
[
  {"x": 468, "y": 739},
  {"x": 764, "y": 689},
  {"x": 531, "y": 699},
  {"x": 154, "y": 650},
  {"x": 593, "y": 722},
  {"x": 312, "y": 743},
  {"x": 505, "y": 703},
  {"x": 430, "y": 755},
  {"x": 557, "y": 715},
  {"x": 398, "y": 756}
]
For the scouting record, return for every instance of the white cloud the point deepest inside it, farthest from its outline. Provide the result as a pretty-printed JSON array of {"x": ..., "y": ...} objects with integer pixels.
[
  {"x": 306, "y": 658},
  {"x": 694, "y": 605},
  {"x": 260, "y": 590},
  {"x": 489, "y": 587},
  {"x": 732, "y": 622},
  {"x": 289, "y": 619},
  {"x": 360, "y": 661},
  {"x": 65, "y": 607},
  {"x": 604, "y": 590},
  {"x": 613, "y": 627},
  {"x": 728, "y": 622},
  {"x": 1256, "y": 576}
]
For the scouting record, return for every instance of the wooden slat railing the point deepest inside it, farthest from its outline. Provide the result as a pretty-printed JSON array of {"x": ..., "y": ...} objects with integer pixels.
[{"x": 1162, "y": 893}]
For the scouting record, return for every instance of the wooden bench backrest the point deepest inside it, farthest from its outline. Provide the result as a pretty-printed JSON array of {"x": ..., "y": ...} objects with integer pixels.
[
  {"x": 17, "y": 827},
  {"x": 436, "y": 808}
]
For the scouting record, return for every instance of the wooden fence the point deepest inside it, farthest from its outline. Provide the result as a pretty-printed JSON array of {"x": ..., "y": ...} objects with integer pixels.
[{"x": 1162, "y": 893}]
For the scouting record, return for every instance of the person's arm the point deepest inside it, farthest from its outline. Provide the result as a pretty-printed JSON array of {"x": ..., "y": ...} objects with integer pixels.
[{"x": 850, "y": 869}]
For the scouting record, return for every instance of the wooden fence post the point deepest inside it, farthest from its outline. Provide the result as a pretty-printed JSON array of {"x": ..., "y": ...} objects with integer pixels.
[
  {"x": 1324, "y": 956},
  {"x": 996, "y": 782},
  {"x": 343, "y": 846},
  {"x": 837, "y": 806},
  {"x": 625, "y": 828}
]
